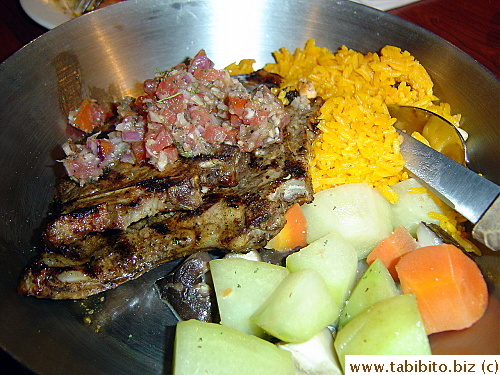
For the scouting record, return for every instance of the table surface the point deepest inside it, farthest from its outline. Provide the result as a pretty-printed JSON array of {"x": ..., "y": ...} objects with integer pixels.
[{"x": 471, "y": 25}]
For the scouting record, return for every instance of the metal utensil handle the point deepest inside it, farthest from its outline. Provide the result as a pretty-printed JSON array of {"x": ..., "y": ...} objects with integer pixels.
[{"x": 487, "y": 229}]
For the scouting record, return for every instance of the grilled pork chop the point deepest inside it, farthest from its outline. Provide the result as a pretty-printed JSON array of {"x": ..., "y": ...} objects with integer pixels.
[
  {"x": 129, "y": 193},
  {"x": 237, "y": 216}
]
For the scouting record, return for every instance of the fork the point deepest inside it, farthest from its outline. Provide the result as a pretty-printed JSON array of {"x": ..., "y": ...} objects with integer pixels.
[{"x": 84, "y": 6}]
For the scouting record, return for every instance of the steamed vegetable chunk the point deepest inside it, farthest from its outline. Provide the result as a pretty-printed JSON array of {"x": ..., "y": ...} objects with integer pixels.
[
  {"x": 450, "y": 289},
  {"x": 413, "y": 205},
  {"x": 299, "y": 308},
  {"x": 335, "y": 259},
  {"x": 208, "y": 348},
  {"x": 391, "y": 326},
  {"x": 392, "y": 248},
  {"x": 241, "y": 286},
  {"x": 315, "y": 356},
  {"x": 359, "y": 212},
  {"x": 293, "y": 234},
  {"x": 375, "y": 285}
]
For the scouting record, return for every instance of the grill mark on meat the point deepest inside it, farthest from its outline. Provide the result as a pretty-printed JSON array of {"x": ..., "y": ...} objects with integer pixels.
[
  {"x": 108, "y": 206},
  {"x": 237, "y": 217},
  {"x": 215, "y": 225},
  {"x": 84, "y": 211},
  {"x": 295, "y": 169}
]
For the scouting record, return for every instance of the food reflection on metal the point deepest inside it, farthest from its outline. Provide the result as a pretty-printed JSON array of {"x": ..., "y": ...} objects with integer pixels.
[
  {"x": 443, "y": 136},
  {"x": 187, "y": 291},
  {"x": 442, "y": 235},
  {"x": 69, "y": 85},
  {"x": 473, "y": 196},
  {"x": 124, "y": 308}
]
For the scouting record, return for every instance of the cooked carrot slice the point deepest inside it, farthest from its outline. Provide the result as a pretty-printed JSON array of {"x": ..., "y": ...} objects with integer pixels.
[
  {"x": 450, "y": 289},
  {"x": 392, "y": 248},
  {"x": 293, "y": 233}
]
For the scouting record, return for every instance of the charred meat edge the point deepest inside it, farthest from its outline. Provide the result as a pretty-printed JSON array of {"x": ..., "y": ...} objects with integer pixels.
[
  {"x": 130, "y": 193},
  {"x": 238, "y": 219}
]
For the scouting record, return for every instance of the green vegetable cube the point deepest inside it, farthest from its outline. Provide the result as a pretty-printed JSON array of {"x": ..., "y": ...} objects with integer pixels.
[
  {"x": 241, "y": 287},
  {"x": 335, "y": 259},
  {"x": 299, "y": 308},
  {"x": 207, "y": 348},
  {"x": 392, "y": 326},
  {"x": 375, "y": 285}
]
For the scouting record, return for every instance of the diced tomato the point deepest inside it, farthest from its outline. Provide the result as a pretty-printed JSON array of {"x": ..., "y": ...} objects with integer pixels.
[
  {"x": 83, "y": 119},
  {"x": 214, "y": 134},
  {"x": 237, "y": 105},
  {"x": 169, "y": 115},
  {"x": 172, "y": 153},
  {"x": 156, "y": 140},
  {"x": 166, "y": 88},
  {"x": 150, "y": 86},
  {"x": 139, "y": 151},
  {"x": 231, "y": 136},
  {"x": 169, "y": 86},
  {"x": 199, "y": 115},
  {"x": 90, "y": 116},
  {"x": 210, "y": 75},
  {"x": 105, "y": 148},
  {"x": 235, "y": 120},
  {"x": 175, "y": 103}
]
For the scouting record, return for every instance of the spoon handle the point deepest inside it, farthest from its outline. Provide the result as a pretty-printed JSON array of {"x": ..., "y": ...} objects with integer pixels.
[
  {"x": 473, "y": 196},
  {"x": 487, "y": 229}
]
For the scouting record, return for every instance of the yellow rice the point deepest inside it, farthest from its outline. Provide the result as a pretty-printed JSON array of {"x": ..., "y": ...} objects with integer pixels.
[{"x": 358, "y": 142}]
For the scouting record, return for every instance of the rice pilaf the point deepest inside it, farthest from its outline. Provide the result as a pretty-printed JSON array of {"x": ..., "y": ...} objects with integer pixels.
[{"x": 358, "y": 142}]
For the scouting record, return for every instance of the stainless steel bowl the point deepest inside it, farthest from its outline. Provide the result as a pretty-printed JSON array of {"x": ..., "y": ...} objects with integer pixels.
[{"x": 106, "y": 55}]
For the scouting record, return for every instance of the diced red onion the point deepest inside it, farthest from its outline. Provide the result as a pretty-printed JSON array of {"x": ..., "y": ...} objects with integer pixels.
[
  {"x": 200, "y": 61},
  {"x": 93, "y": 144},
  {"x": 128, "y": 157},
  {"x": 131, "y": 136}
]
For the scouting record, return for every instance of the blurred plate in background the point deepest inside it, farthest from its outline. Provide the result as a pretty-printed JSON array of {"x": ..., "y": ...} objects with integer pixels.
[{"x": 46, "y": 13}]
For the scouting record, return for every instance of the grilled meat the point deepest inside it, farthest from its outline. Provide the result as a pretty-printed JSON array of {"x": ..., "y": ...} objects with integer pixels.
[
  {"x": 129, "y": 193},
  {"x": 243, "y": 212}
]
